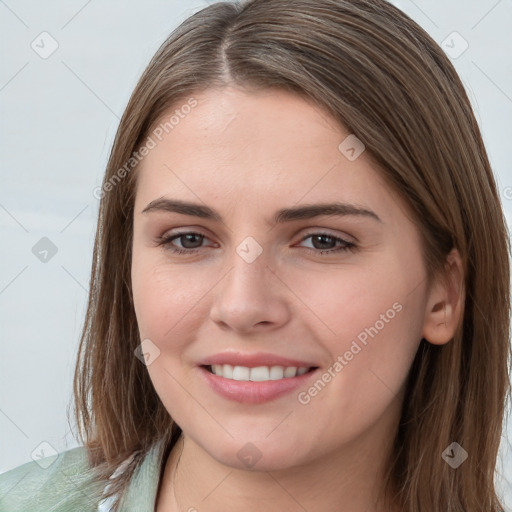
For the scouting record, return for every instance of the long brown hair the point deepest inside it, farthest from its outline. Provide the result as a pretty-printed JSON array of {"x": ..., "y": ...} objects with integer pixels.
[{"x": 379, "y": 74}]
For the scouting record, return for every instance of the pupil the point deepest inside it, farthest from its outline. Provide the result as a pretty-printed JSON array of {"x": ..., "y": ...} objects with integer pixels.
[
  {"x": 324, "y": 239},
  {"x": 190, "y": 238}
]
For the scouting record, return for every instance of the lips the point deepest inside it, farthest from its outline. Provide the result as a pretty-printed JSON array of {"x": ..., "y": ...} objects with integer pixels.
[
  {"x": 254, "y": 378},
  {"x": 254, "y": 360}
]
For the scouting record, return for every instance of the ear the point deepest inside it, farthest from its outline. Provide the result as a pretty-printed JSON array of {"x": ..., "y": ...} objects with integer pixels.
[{"x": 445, "y": 303}]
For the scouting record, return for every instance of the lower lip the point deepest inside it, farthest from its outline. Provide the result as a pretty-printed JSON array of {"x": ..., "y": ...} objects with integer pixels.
[{"x": 254, "y": 392}]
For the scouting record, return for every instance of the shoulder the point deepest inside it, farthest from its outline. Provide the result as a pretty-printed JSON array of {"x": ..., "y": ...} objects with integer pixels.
[{"x": 54, "y": 483}]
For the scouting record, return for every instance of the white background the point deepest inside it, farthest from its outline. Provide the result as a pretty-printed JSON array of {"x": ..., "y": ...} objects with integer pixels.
[{"x": 58, "y": 119}]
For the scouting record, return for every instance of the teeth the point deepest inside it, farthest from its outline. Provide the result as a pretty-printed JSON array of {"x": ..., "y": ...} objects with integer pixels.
[
  {"x": 241, "y": 373},
  {"x": 291, "y": 371},
  {"x": 276, "y": 372},
  {"x": 226, "y": 369},
  {"x": 258, "y": 373}
]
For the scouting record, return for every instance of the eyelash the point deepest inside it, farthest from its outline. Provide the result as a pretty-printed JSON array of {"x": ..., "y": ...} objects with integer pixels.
[{"x": 167, "y": 240}]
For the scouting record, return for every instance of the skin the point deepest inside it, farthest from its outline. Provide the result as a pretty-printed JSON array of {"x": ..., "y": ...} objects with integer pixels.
[{"x": 247, "y": 154}]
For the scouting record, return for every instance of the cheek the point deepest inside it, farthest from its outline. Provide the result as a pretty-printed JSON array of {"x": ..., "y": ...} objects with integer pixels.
[
  {"x": 168, "y": 308},
  {"x": 168, "y": 299},
  {"x": 341, "y": 303},
  {"x": 369, "y": 318}
]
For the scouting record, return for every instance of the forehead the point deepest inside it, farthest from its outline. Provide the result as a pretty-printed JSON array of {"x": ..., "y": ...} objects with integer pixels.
[{"x": 261, "y": 146}]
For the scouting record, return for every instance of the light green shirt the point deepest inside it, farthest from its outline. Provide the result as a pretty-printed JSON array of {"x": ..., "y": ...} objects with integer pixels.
[{"x": 66, "y": 485}]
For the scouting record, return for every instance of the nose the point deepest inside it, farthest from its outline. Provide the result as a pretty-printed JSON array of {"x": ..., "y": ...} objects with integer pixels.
[{"x": 250, "y": 298}]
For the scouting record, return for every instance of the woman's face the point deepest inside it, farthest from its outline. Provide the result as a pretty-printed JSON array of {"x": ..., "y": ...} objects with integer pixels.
[{"x": 273, "y": 278}]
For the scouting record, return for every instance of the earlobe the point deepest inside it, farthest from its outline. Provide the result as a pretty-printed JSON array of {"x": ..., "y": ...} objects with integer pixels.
[{"x": 445, "y": 303}]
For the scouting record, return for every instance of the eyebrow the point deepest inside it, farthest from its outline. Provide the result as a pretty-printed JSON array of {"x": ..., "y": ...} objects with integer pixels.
[{"x": 283, "y": 215}]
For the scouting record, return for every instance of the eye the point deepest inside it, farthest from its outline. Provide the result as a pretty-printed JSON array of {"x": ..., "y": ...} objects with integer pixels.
[
  {"x": 325, "y": 243},
  {"x": 190, "y": 242}
]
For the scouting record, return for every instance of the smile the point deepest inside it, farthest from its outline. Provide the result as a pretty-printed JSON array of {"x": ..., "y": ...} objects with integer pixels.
[
  {"x": 255, "y": 385},
  {"x": 258, "y": 373}
]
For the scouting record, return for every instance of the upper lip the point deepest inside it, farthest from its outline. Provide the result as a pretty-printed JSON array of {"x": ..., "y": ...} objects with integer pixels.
[{"x": 254, "y": 360}]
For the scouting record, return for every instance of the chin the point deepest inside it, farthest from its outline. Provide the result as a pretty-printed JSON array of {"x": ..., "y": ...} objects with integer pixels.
[{"x": 255, "y": 453}]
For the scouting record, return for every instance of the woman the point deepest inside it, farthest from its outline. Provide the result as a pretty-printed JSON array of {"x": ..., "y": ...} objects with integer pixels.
[{"x": 300, "y": 289}]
